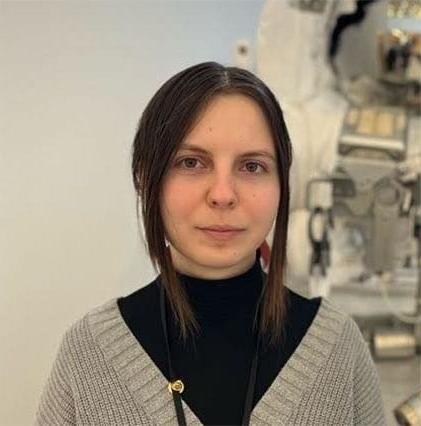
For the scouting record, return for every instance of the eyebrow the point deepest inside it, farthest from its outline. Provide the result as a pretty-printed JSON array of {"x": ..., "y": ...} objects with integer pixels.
[{"x": 259, "y": 153}]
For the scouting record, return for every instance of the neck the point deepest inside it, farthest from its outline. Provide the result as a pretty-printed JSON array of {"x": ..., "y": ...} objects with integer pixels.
[{"x": 221, "y": 299}]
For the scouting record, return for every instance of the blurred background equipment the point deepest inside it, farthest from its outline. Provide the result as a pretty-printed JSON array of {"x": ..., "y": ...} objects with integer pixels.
[
  {"x": 348, "y": 76},
  {"x": 409, "y": 412}
]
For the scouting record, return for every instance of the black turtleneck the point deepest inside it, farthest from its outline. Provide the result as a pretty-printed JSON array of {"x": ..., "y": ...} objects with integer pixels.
[{"x": 215, "y": 369}]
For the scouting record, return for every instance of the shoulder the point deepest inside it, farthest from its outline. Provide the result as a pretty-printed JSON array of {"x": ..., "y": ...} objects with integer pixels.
[
  {"x": 350, "y": 330},
  {"x": 78, "y": 335},
  {"x": 351, "y": 360},
  {"x": 349, "y": 340},
  {"x": 336, "y": 345},
  {"x": 328, "y": 322}
]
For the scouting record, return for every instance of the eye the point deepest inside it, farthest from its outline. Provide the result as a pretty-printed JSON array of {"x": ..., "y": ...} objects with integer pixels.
[
  {"x": 258, "y": 165},
  {"x": 190, "y": 162}
]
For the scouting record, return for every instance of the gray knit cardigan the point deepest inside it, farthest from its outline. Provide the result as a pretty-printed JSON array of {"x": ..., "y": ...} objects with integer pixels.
[{"x": 102, "y": 376}]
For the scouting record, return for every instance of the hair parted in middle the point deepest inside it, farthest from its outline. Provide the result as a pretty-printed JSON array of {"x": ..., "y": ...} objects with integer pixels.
[{"x": 164, "y": 124}]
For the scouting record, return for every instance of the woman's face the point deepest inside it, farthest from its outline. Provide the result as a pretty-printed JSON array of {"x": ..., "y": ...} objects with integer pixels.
[{"x": 216, "y": 179}]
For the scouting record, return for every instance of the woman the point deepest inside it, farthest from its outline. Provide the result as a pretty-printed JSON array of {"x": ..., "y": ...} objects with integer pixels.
[{"x": 213, "y": 339}]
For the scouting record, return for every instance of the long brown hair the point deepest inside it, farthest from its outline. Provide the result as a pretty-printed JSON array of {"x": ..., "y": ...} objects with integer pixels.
[{"x": 165, "y": 122}]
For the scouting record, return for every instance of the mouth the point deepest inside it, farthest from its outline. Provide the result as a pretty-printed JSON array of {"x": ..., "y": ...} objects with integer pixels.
[
  {"x": 221, "y": 228},
  {"x": 221, "y": 235}
]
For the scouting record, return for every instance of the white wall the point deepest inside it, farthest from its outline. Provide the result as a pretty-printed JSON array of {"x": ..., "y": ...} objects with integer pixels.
[{"x": 74, "y": 79}]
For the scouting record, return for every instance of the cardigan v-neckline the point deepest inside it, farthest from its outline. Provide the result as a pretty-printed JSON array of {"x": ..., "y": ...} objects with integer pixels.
[{"x": 149, "y": 387}]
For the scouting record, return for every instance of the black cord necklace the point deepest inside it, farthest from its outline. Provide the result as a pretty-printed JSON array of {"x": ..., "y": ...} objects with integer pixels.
[{"x": 176, "y": 386}]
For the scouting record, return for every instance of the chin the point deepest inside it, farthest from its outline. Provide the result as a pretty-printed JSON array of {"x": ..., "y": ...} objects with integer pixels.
[{"x": 220, "y": 257}]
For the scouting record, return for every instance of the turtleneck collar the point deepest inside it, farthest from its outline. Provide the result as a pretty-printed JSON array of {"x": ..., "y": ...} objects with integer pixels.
[{"x": 218, "y": 300}]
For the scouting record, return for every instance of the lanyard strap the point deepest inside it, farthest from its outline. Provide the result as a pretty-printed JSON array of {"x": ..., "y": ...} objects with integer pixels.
[
  {"x": 176, "y": 386},
  {"x": 181, "y": 419}
]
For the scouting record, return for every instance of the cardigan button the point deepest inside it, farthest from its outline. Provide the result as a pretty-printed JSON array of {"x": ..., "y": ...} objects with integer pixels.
[{"x": 177, "y": 386}]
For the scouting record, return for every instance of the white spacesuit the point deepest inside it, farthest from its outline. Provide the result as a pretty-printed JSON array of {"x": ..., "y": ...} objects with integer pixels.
[{"x": 292, "y": 58}]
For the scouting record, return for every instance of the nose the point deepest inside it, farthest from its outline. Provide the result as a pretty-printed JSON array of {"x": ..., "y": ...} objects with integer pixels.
[{"x": 222, "y": 192}]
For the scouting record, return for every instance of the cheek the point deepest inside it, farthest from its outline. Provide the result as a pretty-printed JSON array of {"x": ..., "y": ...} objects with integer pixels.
[
  {"x": 264, "y": 202},
  {"x": 262, "y": 210},
  {"x": 177, "y": 200}
]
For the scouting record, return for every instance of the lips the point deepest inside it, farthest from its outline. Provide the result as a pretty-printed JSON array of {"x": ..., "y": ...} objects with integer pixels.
[
  {"x": 221, "y": 228},
  {"x": 222, "y": 235}
]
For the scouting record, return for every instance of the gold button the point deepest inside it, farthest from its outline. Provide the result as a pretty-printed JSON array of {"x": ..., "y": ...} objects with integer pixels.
[{"x": 177, "y": 386}]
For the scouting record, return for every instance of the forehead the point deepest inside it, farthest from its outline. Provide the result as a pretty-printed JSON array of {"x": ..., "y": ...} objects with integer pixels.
[{"x": 228, "y": 120}]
